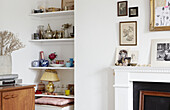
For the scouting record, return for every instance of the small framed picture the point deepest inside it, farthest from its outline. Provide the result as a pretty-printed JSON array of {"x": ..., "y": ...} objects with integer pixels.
[
  {"x": 122, "y": 53},
  {"x": 133, "y": 11},
  {"x": 134, "y": 56},
  {"x": 122, "y": 8},
  {"x": 71, "y": 88},
  {"x": 128, "y": 33},
  {"x": 160, "y": 53},
  {"x": 67, "y": 5}
]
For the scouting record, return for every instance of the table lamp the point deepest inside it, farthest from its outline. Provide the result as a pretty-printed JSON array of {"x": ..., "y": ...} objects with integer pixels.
[{"x": 51, "y": 76}]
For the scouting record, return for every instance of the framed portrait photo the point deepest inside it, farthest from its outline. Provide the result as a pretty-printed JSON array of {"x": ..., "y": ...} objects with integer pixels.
[
  {"x": 121, "y": 54},
  {"x": 133, "y": 11},
  {"x": 122, "y": 8},
  {"x": 128, "y": 33},
  {"x": 160, "y": 53}
]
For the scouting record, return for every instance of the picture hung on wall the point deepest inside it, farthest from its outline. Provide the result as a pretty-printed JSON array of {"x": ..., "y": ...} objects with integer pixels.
[
  {"x": 160, "y": 53},
  {"x": 122, "y": 8},
  {"x": 160, "y": 19},
  {"x": 67, "y": 5},
  {"x": 128, "y": 33},
  {"x": 133, "y": 11}
]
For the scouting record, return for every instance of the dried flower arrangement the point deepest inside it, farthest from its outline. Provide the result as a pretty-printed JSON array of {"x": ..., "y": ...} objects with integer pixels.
[{"x": 9, "y": 43}]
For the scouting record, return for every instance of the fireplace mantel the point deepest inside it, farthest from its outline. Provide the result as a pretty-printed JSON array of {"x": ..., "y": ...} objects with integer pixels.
[
  {"x": 124, "y": 78},
  {"x": 140, "y": 69}
]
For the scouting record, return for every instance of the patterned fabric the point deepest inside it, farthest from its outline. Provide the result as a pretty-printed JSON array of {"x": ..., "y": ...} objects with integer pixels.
[{"x": 53, "y": 101}]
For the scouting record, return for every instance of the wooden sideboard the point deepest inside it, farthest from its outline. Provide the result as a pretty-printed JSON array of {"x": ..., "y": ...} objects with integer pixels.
[{"x": 18, "y": 97}]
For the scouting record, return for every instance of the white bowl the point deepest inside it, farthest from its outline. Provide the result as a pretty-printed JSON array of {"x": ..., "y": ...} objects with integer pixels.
[{"x": 57, "y": 65}]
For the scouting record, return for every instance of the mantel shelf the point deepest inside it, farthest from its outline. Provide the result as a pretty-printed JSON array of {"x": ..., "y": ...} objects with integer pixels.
[
  {"x": 140, "y": 69},
  {"x": 53, "y": 68},
  {"x": 58, "y": 96},
  {"x": 54, "y": 40},
  {"x": 53, "y": 14}
]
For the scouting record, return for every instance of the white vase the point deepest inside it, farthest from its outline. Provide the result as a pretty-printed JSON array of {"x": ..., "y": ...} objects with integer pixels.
[{"x": 5, "y": 64}]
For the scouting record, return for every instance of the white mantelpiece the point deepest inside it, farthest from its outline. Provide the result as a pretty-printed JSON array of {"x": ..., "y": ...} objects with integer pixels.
[{"x": 124, "y": 77}]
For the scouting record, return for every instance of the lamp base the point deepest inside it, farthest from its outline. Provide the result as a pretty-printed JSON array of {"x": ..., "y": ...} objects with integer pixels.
[{"x": 50, "y": 87}]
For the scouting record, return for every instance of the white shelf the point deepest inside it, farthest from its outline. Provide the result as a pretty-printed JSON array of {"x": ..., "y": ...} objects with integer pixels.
[
  {"x": 52, "y": 68},
  {"x": 53, "y": 14},
  {"x": 58, "y": 96},
  {"x": 54, "y": 40}
]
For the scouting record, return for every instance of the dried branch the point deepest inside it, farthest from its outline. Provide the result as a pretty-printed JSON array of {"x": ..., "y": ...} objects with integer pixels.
[{"x": 9, "y": 43}]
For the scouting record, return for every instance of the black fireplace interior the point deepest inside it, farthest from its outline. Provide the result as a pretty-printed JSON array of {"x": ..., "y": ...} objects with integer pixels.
[{"x": 151, "y": 102}]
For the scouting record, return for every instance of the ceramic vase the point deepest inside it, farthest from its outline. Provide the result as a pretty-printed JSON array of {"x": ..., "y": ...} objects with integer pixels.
[{"x": 5, "y": 64}]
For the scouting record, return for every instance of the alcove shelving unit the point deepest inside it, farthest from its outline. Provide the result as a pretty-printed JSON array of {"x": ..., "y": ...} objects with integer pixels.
[{"x": 62, "y": 41}]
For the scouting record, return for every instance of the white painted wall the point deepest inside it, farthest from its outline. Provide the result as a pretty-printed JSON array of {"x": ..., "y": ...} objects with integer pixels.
[
  {"x": 95, "y": 43},
  {"x": 97, "y": 29}
]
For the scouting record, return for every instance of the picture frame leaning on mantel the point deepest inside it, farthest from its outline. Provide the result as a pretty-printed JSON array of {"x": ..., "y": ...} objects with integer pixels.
[{"x": 159, "y": 19}]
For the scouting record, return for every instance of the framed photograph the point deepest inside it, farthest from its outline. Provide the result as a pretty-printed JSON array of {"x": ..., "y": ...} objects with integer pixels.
[
  {"x": 121, "y": 54},
  {"x": 71, "y": 88},
  {"x": 122, "y": 8},
  {"x": 133, "y": 11},
  {"x": 67, "y": 4},
  {"x": 160, "y": 20},
  {"x": 160, "y": 53},
  {"x": 134, "y": 56},
  {"x": 150, "y": 98},
  {"x": 128, "y": 33}
]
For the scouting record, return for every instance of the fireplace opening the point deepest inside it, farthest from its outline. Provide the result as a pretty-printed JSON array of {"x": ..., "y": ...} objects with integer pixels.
[{"x": 156, "y": 96}]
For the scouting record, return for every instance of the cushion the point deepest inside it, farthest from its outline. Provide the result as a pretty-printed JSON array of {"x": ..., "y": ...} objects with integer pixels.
[{"x": 53, "y": 101}]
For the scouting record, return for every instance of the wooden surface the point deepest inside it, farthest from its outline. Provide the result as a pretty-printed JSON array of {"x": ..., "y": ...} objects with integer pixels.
[
  {"x": 18, "y": 97},
  {"x": 0, "y": 102},
  {"x": 15, "y": 87}
]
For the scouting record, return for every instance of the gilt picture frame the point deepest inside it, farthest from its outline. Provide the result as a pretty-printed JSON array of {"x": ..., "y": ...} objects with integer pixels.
[
  {"x": 159, "y": 19},
  {"x": 128, "y": 33}
]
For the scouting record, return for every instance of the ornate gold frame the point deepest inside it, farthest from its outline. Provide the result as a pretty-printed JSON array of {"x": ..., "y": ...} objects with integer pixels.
[{"x": 152, "y": 19}]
